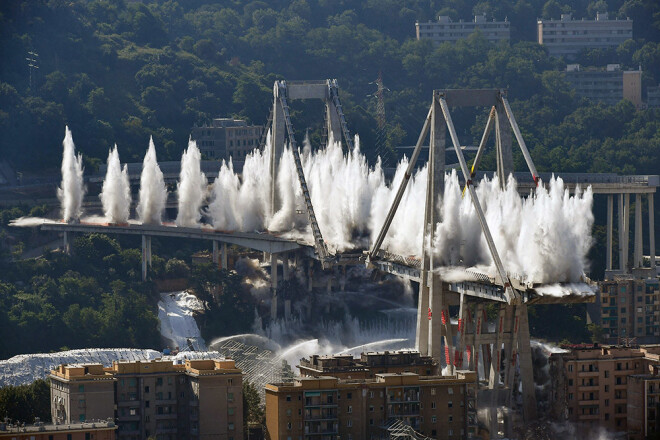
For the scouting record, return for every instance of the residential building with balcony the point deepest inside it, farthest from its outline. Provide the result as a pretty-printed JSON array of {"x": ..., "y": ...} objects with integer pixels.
[
  {"x": 324, "y": 407},
  {"x": 644, "y": 405},
  {"x": 630, "y": 308},
  {"x": 591, "y": 384},
  {"x": 447, "y": 31},
  {"x": 198, "y": 399},
  {"x": 226, "y": 137},
  {"x": 566, "y": 37}
]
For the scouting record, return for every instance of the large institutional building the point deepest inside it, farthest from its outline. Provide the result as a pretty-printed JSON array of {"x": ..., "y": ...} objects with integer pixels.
[
  {"x": 609, "y": 386},
  {"x": 356, "y": 399},
  {"x": 195, "y": 400},
  {"x": 566, "y": 37},
  {"x": 447, "y": 31},
  {"x": 608, "y": 85},
  {"x": 225, "y": 137}
]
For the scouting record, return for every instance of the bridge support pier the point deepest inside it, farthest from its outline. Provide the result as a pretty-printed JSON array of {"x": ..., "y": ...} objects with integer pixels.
[
  {"x": 610, "y": 215},
  {"x": 146, "y": 255},
  {"x": 651, "y": 232},
  {"x": 638, "y": 254},
  {"x": 220, "y": 255},
  {"x": 66, "y": 245},
  {"x": 273, "y": 286}
]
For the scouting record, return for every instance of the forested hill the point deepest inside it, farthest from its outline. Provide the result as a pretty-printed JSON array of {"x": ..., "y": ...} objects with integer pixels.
[{"x": 119, "y": 71}]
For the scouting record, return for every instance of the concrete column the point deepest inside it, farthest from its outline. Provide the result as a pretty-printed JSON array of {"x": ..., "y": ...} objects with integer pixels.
[
  {"x": 273, "y": 286},
  {"x": 342, "y": 279},
  {"x": 216, "y": 254},
  {"x": 626, "y": 230},
  {"x": 334, "y": 124},
  {"x": 610, "y": 209},
  {"x": 223, "y": 260},
  {"x": 494, "y": 376},
  {"x": 436, "y": 326},
  {"x": 651, "y": 231},
  {"x": 285, "y": 267},
  {"x": 278, "y": 129},
  {"x": 149, "y": 250},
  {"x": 621, "y": 228},
  {"x": 503, "y": 149},
  {"x": 66, "y": 245},
  {"x": 287, "y": 309},
  {"x": 428, "y": 338},
  {"x": 329, "y": 287},
  {"x": 310, "y": 276},
  {"x": 638, "y": 254},
  {"x": 526, "y": 367},
  {"x": 144, "y": 257}
]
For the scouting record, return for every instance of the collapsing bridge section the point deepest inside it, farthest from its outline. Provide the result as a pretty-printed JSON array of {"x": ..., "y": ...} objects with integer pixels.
[{"x": 506, "y": 353}]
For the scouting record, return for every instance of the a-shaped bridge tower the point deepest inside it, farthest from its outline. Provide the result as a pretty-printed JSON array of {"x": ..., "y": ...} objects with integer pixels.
[{"x": 505, "y": 353}]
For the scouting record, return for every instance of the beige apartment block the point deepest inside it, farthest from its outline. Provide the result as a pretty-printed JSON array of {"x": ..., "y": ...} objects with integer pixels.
[
  {"x": 74, "y": 431},
  {"x": 443, "y": 407},
  {"x": 590, "y": 385},
  {"x": 566, "y": 37},
  {"x": 195, "y": 400},
  {"x": 225, "y": 138},
  {"x": 447, "y": 31}
]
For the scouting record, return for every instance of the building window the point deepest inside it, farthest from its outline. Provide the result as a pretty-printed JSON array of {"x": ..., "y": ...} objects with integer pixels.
[
  {"x": 230, "y": 397},
  {"x": 230, "y": 382},
  {"x": 349, "y": 423},
  {"x": 230, "y": 426},
  {"x": 450, "y": 390},
  {"x": 350, "y": 409},
  {"x": 288, "y": 398},
  {"x": 451, "y": 419},
  {"x": 230, "y": 411},
  {"x": 146, "y": 389},
  {"x": 371, "y": 394},
  {"x": 432, "y": 405},
  {"x": 349, "y": 395},
  {"x": 82, "y": 417},
  {"x": 371, "y": 408},
  {"x": 288, "y": 412},
  {"x": 433, "y": 391},
  {"x": 450, "y": 404},
  {"x": 433, "y": 419},
  {"x": 81, "y": 388}
]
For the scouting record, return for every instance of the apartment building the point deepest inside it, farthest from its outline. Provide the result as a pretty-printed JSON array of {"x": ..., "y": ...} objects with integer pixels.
[
  {"x": 644, "y": 405},
  {"x": 653, "y": 96},
  {"x": 324, "y": 407},
  {"x": 368, "y": 365},
  {"x": 100, "y": 430},
  {"x": 198, "y": 399},
  {"x": 591, "y": 384},
  {"x": 630, "y": 308},
  {"x": 447, "y": 31},
  {"x": 608, "y": 85},
  {"x": 566, "y": 37},
  {"x": 226, "y": 137}
]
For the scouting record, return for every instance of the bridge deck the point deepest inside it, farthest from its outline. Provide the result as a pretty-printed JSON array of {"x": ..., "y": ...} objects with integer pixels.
[{"x": 264, "y": 242}]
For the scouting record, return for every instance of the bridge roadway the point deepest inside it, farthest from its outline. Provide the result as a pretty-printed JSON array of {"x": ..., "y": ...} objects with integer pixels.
[{"x": 474, "y": 284}]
